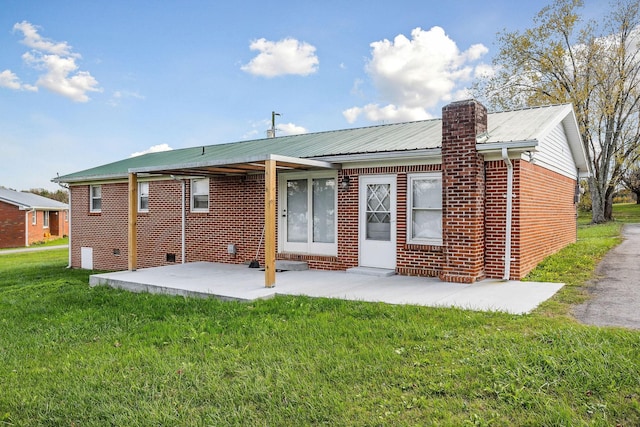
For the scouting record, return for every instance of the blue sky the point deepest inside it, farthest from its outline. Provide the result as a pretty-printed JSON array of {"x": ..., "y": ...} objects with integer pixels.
[{"x": 83, "y": 83}]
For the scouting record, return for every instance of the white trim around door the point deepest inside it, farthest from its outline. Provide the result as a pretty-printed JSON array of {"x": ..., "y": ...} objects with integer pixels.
[{"x": 377, "y": 221}]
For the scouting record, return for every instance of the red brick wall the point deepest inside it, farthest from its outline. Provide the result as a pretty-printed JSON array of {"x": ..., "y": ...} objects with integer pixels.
[
  {"x": 544, "y": 216},
  {"x": 543, "y": 211},
  {"x": 58, "y": 227},
  {"x": 12, "y": 223},
  {"x": 547, "y": 215},
  {"x": 37, "y": 233},
  {"x": 496, "y": 191},
  {"x": 235, "y": 217},
  {"x": 462, "y": 192},
  {"x": 236, "y": 210}
]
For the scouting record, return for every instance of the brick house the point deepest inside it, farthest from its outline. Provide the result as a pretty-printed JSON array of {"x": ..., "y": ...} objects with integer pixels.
[
  {"x": 27, "y": 218},
  {"x": 469, "y": 196}
]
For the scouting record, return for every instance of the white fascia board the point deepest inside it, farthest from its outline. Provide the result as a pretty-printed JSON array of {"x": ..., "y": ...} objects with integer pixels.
[
  {"x": 387, "y": 156},
  {"x": 518, "y": 146},
  {"x": 93, "y": 179}
]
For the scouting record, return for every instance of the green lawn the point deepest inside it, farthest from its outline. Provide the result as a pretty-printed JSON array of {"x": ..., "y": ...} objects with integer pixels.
[
  {"x": 55, "y": 242},
  {"x": 71, "y": 355}
]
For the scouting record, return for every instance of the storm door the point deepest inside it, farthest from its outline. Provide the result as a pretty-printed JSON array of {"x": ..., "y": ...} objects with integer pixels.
[{"x": 378, "y": 221}]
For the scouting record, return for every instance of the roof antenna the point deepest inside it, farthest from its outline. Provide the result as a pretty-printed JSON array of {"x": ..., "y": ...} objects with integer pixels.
[{"x": 271, "y": 133}]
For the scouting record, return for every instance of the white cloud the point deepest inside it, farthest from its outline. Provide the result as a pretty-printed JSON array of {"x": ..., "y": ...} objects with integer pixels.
[
  {"x": 413, "y": 76},
  {"x": 57, "y": 61},
  {"x": 9, "y": 80},
  {"x": 288, "y": 56},
  {"x": 153, "y": 149},
  {"x": 33, "y": 40},
  {"x": 120, "y": 95},
  {"x": 284, "y": 129},
  {"x": 388, "y": 113},
  {"x": 261, "y": 129}
]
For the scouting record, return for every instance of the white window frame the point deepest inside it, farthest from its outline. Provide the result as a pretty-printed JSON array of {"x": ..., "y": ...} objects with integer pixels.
[
  {"x": 34, "y": 217},
  {"x": 410, "y": 208},
  {"x": 143, "y": 195},
  {"x": 194, "y": 194},
  {"x": 45, "y": 219},
  {"x": 309, "y": 247},
  {"x": 92, "y": 199}
]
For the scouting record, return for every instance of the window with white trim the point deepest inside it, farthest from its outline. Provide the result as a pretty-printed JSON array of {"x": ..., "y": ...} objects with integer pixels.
[
  {"x": 143, "y": 197},
  {"x": 45, "y": 219},
  {"x": 424, "y": 210},
  {"x": 34, "y": 217},
  {"x": 95, "y": 197},
  {"x": 200, "y": 195}
]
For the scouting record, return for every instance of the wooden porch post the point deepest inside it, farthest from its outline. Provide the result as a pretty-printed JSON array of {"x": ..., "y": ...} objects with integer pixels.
[
  {"x": 133, "y": 222},
  {"x": 269, "y": 223}
]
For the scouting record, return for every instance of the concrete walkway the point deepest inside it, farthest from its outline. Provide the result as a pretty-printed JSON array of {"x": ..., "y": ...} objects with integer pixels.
[
  {"x": 238, "y": 282},
  {"x": 31, "y": 249},
  {"x": 616, "y": 291}
]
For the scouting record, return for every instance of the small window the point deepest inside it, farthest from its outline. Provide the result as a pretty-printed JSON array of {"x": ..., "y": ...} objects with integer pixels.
[
  {"x": 425, "y": 209},
  {"x": 200, "y": 195},
  {"x": 45, "y": 221},
  {"x": 143, "y": 197},
  {"x": 66, "y": 216},
  {"x": 96, "y": 198},
  {"x": 34, "y": 217}
]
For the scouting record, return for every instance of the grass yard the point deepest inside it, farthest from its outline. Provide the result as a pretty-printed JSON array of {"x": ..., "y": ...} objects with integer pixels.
[{"x": 71, "y": 355}]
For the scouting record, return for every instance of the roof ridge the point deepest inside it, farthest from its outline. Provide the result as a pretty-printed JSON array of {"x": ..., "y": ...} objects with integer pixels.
[{"x": 533, "y": 107}]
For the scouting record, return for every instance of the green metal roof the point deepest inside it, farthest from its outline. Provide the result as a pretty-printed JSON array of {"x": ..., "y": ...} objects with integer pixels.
[{"x": 520, "y": 125}]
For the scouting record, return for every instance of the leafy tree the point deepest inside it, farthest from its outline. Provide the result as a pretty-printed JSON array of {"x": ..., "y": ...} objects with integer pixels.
[
  {"x": 593, "y": 65},
  {"x": 632, "y": 182},
  {"x": 59, "y": 195}
]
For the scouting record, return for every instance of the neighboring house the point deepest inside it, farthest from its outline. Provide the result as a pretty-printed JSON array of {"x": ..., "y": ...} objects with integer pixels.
[
  {"x": 27, "y": 218},
  {"x": 465, "y": 197}
]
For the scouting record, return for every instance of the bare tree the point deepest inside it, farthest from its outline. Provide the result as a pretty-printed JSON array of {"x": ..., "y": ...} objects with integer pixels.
[
  {"x": 593, "y": 65},
  {"x": 631, "y": 180}
]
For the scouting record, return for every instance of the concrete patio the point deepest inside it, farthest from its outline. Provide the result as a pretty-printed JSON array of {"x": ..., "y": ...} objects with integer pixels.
[{"x": 238, "y": 282}]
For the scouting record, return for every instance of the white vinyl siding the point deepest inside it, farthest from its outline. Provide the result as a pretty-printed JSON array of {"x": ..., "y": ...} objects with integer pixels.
[{"x": 553, "y": 153}]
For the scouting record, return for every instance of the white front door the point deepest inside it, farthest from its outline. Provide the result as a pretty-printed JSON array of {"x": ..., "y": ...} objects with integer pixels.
[{"x": 378, "y": 221}]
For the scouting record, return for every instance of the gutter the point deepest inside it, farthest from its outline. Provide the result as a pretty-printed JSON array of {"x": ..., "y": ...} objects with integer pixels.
[{"x": 509, "y": 213}]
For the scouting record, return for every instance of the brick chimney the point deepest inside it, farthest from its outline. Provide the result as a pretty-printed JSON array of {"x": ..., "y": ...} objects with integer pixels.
[{"x": 463, "y": 192}]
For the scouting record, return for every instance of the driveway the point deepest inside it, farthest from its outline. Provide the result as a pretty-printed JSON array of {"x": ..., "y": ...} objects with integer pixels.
[
  {"x": 616, "y": 290},
  {"x": 31, "y": 249}
]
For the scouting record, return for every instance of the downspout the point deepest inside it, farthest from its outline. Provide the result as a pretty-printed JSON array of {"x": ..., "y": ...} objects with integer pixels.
[
  {"x": 184, "y": 222},
  {"x": 69, "y": 221},
  {"x": 509, "y": 213}
]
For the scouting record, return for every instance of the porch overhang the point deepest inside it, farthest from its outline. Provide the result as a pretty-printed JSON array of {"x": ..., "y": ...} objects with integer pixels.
[
  {"x": 269, "y": 164},
  {"x": 237, "y": 166}
]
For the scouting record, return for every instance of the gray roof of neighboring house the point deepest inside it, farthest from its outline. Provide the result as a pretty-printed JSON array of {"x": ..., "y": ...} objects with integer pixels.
[
  {"x": 526, "y": 125},
  {"x": 30, "y": 200}
]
